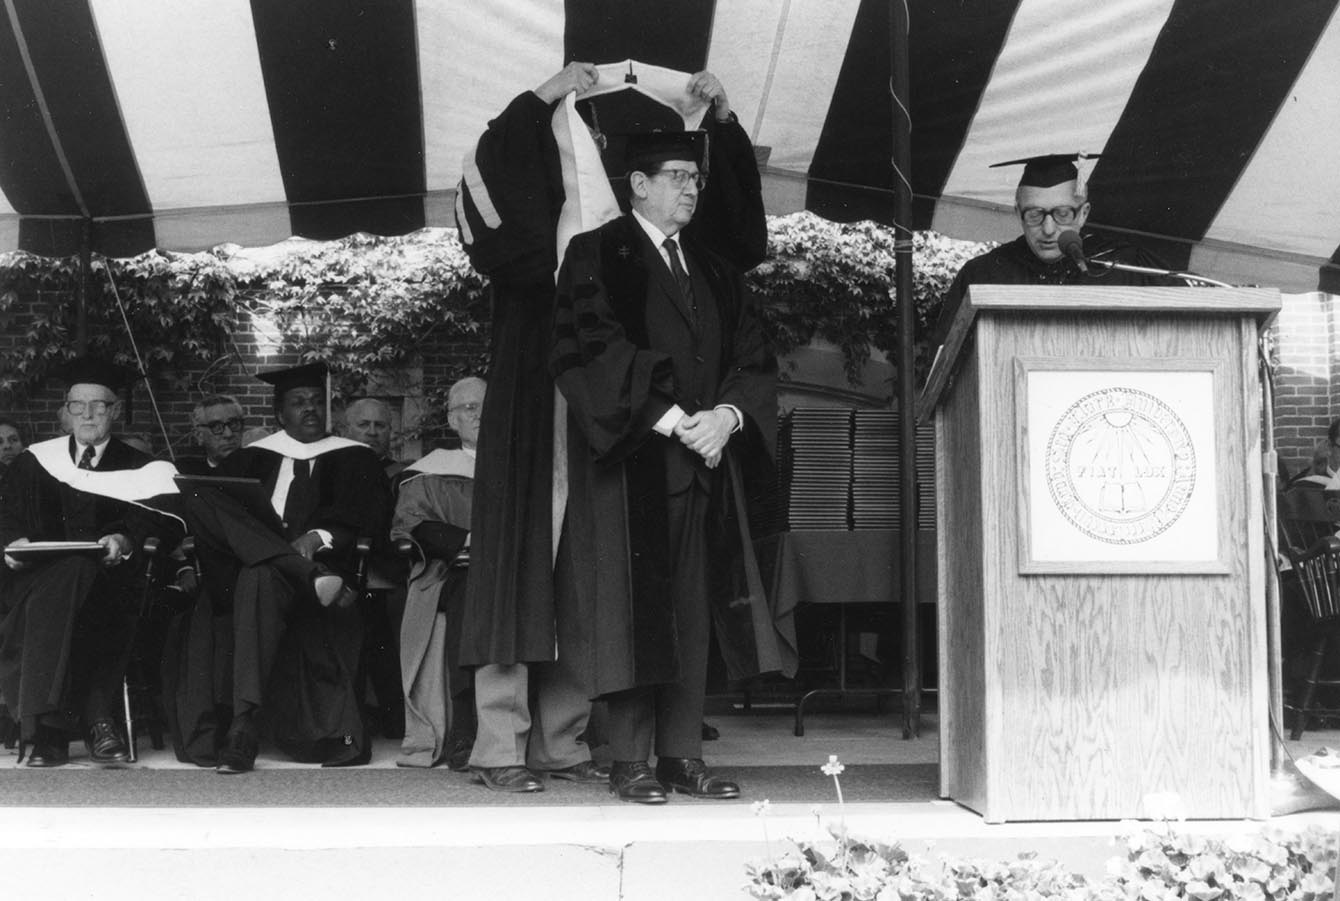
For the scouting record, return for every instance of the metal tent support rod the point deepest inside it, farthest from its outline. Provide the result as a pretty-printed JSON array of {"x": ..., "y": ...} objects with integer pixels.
[
  {"x": 139, "y": 362},
  {"x": 900, "y": 93}
]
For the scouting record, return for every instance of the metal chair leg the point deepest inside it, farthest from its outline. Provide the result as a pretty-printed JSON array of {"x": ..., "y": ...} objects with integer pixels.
[
  {"x": 130, "y": 721},
  {"x": 1309, "y": 688}
]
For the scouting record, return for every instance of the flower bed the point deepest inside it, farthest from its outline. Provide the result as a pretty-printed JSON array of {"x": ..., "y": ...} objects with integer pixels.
[{"x": 1160, "y": 863}]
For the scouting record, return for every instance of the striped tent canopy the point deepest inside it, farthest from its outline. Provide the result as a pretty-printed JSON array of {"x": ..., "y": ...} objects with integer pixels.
[{"x": 183, "y": 124}]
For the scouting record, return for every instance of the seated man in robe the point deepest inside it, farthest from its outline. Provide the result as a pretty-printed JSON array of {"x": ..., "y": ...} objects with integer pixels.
[
  {"x": 197, "y": 654},
  {"x": 67, "y": 620},
  {"x": 319, "y": 495},
  {"x": 367, "y": 420},
  {"x": 217, "y": 424},
  {"x": 433, "y": 511}
]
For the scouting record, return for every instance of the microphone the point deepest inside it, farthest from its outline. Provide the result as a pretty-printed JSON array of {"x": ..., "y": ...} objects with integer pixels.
[{"x": 1072, "y": 246}]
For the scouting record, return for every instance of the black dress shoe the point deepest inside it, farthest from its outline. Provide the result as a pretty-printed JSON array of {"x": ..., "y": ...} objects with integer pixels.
[
  {"x": 710, "y": 732},
  {"x": 458, "y": 758},
  {"x": 689, "y": 775},
  {"x": 588, "y": 772},
  {"x": 9, "y": 730},
  {"x": 104, "y": 744},
  {"x": 46, "y": 752},
  {"x": 509, "y": 778},
  {"x": 238, "y": 755},
  {"x": 634, "y": 781},
  {"x": 347, "y": 752}
]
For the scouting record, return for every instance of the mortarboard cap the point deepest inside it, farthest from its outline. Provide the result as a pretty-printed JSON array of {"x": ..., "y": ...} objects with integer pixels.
[
  {"x": 92, "y": 371},
  {"x": 308, "y": 375},
  {"x": 642, "y": 151},
  {"x": 1051, "y": 169}
]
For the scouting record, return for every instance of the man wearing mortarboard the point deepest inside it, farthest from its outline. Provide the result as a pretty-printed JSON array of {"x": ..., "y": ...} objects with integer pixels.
[
  {"x": 285, "y": 569},
  {"x": 67, "y": 615},
  {"x": 671, "y": 391},
  {"x": 1052, "y": 198},
  {"x": 535, "y": 178}
]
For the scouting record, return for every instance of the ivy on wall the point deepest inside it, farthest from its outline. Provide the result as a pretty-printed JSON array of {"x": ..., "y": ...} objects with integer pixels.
[
  {"x": 836, "y": 281},
  {"x": 368, "y": 305}
]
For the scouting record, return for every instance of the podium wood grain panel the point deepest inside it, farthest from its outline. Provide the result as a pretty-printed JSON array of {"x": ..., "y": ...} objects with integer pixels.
[
  {"x": 962, "y": 657},
  {"x": 1097, "y": 690}
]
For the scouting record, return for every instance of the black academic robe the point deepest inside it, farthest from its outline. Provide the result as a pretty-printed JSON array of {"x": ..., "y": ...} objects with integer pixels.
[
  {"x": 620, "y": 369},
  {"x": 508, "y": 216},
  {"x": 1015, "y": 263},
  {"x": 312, "y": 700},
  {"x": 52, "y": 655}
]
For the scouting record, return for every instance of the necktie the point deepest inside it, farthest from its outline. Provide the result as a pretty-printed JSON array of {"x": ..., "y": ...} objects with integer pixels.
[
  {"x": 297, "y": 505},
  {"x": 681, "y": 278},
  {"x": 86, "y": 458}
]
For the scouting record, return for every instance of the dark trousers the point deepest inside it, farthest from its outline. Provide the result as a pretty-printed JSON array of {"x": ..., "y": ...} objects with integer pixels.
[
  {"x": 65, "y": 640},
  {"x": 672, "y": 713},
  {"x": 270, "y": 582}
]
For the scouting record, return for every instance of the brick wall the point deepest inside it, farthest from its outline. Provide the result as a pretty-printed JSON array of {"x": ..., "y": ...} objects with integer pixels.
[
  {"x": 1306, "y": 338},
  {"x": 1307, "y": 350},
  {"x": 409, "y": 393}
]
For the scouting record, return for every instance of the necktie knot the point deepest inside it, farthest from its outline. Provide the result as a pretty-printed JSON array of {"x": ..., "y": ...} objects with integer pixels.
[{"x": 86, "y": 458}]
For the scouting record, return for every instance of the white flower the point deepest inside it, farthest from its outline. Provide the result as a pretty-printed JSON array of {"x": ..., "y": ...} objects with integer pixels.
[
  {"x": 761, "y": 808},
  {"x": 832, "y": 768}
]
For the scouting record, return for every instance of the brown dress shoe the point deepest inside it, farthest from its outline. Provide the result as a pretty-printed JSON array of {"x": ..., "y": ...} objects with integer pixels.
[
  {"x": 509, "y": 778},
  {"x": 634, "y": 781},
  {"x": 588, "y": 772},
  {"x": 689, "y": 775},
  {"x": 104, "y": 743}
]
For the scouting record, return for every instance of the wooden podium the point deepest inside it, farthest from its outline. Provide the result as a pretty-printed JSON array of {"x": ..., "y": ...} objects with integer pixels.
[{"x": 1102, "y": 619}]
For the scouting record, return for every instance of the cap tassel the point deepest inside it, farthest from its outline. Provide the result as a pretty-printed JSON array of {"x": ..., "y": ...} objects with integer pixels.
[{"x": 1084, "y": 165}]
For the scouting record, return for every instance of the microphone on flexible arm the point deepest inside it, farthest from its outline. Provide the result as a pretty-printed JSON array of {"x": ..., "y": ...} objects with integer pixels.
[{"x": 1072, "y": 246}]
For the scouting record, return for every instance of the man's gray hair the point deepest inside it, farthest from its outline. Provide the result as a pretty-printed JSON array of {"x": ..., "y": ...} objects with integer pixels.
[
  {"x": 214, "y": 400},
  {"x": 365, "y": 401},
  {"x": 468, "y": 382}
]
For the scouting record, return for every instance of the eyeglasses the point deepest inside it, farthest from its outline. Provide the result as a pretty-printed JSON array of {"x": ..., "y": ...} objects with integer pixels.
[
  {"x": 96, "y": 407},
  {"x": 1061, "y": 215},
  {"x": 470, "y": 409},
  {"x": 681, "y": 177},
  {"x": 218, "y": 426}
]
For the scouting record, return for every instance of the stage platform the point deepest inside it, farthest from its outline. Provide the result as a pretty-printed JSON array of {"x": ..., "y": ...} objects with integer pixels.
[{"x": 571, "y": 842}]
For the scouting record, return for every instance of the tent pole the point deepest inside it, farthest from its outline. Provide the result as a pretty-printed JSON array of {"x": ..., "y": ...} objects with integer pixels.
[
  {"x": 85, "y": 284},
  {"x": 899, "y": 84}
]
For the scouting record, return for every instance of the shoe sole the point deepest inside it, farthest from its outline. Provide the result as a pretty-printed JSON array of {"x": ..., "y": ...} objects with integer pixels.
[
  {"x": 225, "y": 770},
  {"x": 726, "y": 796},
  {"x": 111, "y": 761},
  {"x": 663, "y": 799},
  {"x": 508, "y": 789},
  {"x": 580, "y": 780}
]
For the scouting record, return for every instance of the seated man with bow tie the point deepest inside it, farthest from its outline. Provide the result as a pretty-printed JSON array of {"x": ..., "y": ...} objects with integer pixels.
[
  {"x": 284, "y": 568},
  {"x": 67, "y": 614}
]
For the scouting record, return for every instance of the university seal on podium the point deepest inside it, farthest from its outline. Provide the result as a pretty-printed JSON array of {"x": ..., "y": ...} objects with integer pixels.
[{"x": 1120, "y": 465}]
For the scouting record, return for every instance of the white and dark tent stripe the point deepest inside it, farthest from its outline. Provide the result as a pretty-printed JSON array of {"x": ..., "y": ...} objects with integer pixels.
[{"x": 187, "y": 123}]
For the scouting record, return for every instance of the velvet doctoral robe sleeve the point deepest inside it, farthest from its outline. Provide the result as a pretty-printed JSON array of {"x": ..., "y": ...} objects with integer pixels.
[
  {"x": 615, "y": 386},
  {"x": 511, "y": 193},
  {"x": 730, "y": 218}
]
